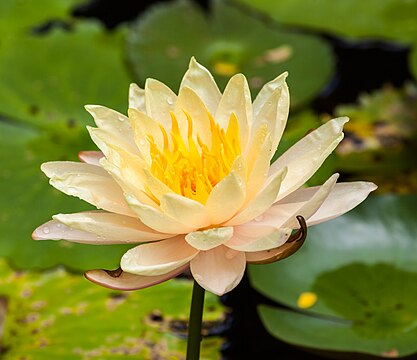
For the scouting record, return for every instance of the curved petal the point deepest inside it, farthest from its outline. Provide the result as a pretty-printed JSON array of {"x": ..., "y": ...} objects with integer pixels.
[
  {"x": 250, "y": 237},
  {"x": 88, "y": 182},
  {"x": 202, "y": 82},
  {"x": 158, "y": 258},
  {"x": 90, "y": 157},
  {"x": 104, "y": 228},
  {"x": 228, "y": 196},
  {"x": 267, "y": 90},
  {"x": 185, "y": 210},
  {"x": 159, "y": 100},
  {"x": 210, "y": 238},
  {"x": 269, "y": 256},
  {"x": 190, "y": 102},
  {"x": 274, "y": 109},
  {"x": 218, "y": 270},
  {"x": 143, "y": 127},
  {"x": 343, "y": 198},
  {"x": 236, "y": 100},
  {"x": 262, "y": 201},
  {"x": 136, "y": 98},
  {"x": 283, "y": 213},
  {"x": 102, "y": 138},
  {"x": 307, "y": 155},
  {"x": 156, "y": 219},
  {"x": 121, "y": 280}
]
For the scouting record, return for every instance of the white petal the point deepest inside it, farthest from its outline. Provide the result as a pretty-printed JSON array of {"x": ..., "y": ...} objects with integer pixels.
[
  {"x": 160, "y": 100},
  {"x": 228, "y": 196},
  {"x": 158, "y": 258},
  {"x": 97, "y": 228},
  {"x": 252, "y": 237},
  {"x": 267, "y": 90},
  {"x": 88, "y": 182},
  {"x": 343, "y": 198},
  {"x": 202, "y": 82},
  {"x": 274, "y": 110},
  {"x": 185, "y": 210},
  {"x": 136, "y": 98},
  {"x": 218, "y": 270},
  {"x": 307, "y": 155},
  {"x": 144, "y": 126},
  {"x": 283, "y": 213},
  {"x": 102, "y": 138},
  {"x": 158, "y": 220},
  {"x": 90, "y": 157},
  {"x": 189, "y": 101},
  {"x": 127, "y": 282},
  {"x": 262, "y": 201},
  {"x": 236, "y": 100},
  {"x": 210, "y": 238}
]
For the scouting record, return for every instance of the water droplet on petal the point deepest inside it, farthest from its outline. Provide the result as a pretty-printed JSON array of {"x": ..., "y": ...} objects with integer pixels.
[
  {"x": 259, "y": 218},
  {"x": 141, "y": 142},
  {"x": 46, "y": 230},
  {"x": 72, "y": 191},
  {"x": 58, "y": 225},
  {"x": 170, "y": 101}
]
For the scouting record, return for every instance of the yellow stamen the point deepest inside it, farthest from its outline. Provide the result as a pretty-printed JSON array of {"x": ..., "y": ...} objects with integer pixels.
[{"x": 190, "y": 167}]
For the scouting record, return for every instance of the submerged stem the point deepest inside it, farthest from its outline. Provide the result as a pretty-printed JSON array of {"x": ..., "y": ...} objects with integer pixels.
[{"x": 194, "y": 325}]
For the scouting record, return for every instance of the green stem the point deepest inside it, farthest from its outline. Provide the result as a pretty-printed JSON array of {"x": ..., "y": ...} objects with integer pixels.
[{"x": 194, "y": 324}]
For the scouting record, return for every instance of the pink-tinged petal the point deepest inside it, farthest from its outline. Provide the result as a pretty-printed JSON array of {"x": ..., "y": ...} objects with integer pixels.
[
  {"x": 55, "y": 230},
  {"x": 158, "y": 258},
  {"x": 307, "y": 155},
  {"x": 91, "y": 157},
  {"x": 343, "y": 198},
  {"x": 157, "y": 219},
  {"x": 218, "y": 270},
  {"x": 272, "y": 106},
  {"x": 262, "y": 201},
  {"x": 210, "y": 238},
  {"x": 159, "y": 100},
  {"x": 188, "y": 101},
  {"x": 88, "y": 182},
  {"x": 254, "y": 237},
  {"x": 202, "y": 82},
  {"x": 136, "y": 98},
  {"x": 121, "y": 280},
  {"x": 97, "y": 227},
  {"x": 283, "y": 213},
  {"x": 236, "y": 100},
  {"x": 184, "y": 210},
  {"x": 228, "y": 196}
]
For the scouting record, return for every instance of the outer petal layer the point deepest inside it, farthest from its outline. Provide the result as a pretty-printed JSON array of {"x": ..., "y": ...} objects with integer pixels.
[
  {"x": 218, "y": 270},
  {"x": 158, "y": 258}
]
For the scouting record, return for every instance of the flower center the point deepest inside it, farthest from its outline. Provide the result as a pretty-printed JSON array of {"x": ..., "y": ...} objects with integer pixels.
[{"x": 190, "y": 167}]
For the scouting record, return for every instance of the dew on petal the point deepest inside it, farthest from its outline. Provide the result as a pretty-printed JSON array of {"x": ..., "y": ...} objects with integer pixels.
[
  {"x": 259, "y": 218},
  {"x": 46, "y": 230}
]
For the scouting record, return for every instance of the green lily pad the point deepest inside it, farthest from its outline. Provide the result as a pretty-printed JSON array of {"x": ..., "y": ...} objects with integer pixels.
[
  {"x": 43, "y": 89},
  {"x": 160, "y": 46},
  {"x": 361, "y": 272},
  {"x": 22, "y": 15},
  {"x": 90, "y": 322},
  {"x": 386, "y": 19}
]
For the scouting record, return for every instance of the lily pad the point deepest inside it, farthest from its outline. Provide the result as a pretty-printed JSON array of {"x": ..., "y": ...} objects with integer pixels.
[
  {"x": 161, "y": 43},
  {"x": 90, "y": 322},
  {"x": 372, "y": 19},
  {"x": 22, "y": 15},
  {"x": 43, "y": 89},
  {"x": 360, "y": 273}
]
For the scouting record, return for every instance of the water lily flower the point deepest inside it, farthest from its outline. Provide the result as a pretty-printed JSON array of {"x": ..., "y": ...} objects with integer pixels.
[{"x": 188, "y": 178}]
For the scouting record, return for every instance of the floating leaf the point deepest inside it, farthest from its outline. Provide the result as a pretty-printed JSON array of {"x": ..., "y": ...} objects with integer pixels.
[
  {"x": 43, "y": 89},
  {"x": 86, "y": 321},
  {"x": 363, "y": 271},
  {"x": 387, "y": 19},
  {"x": 229, "y": 41},
  {"x": 23, "y": 15}
]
